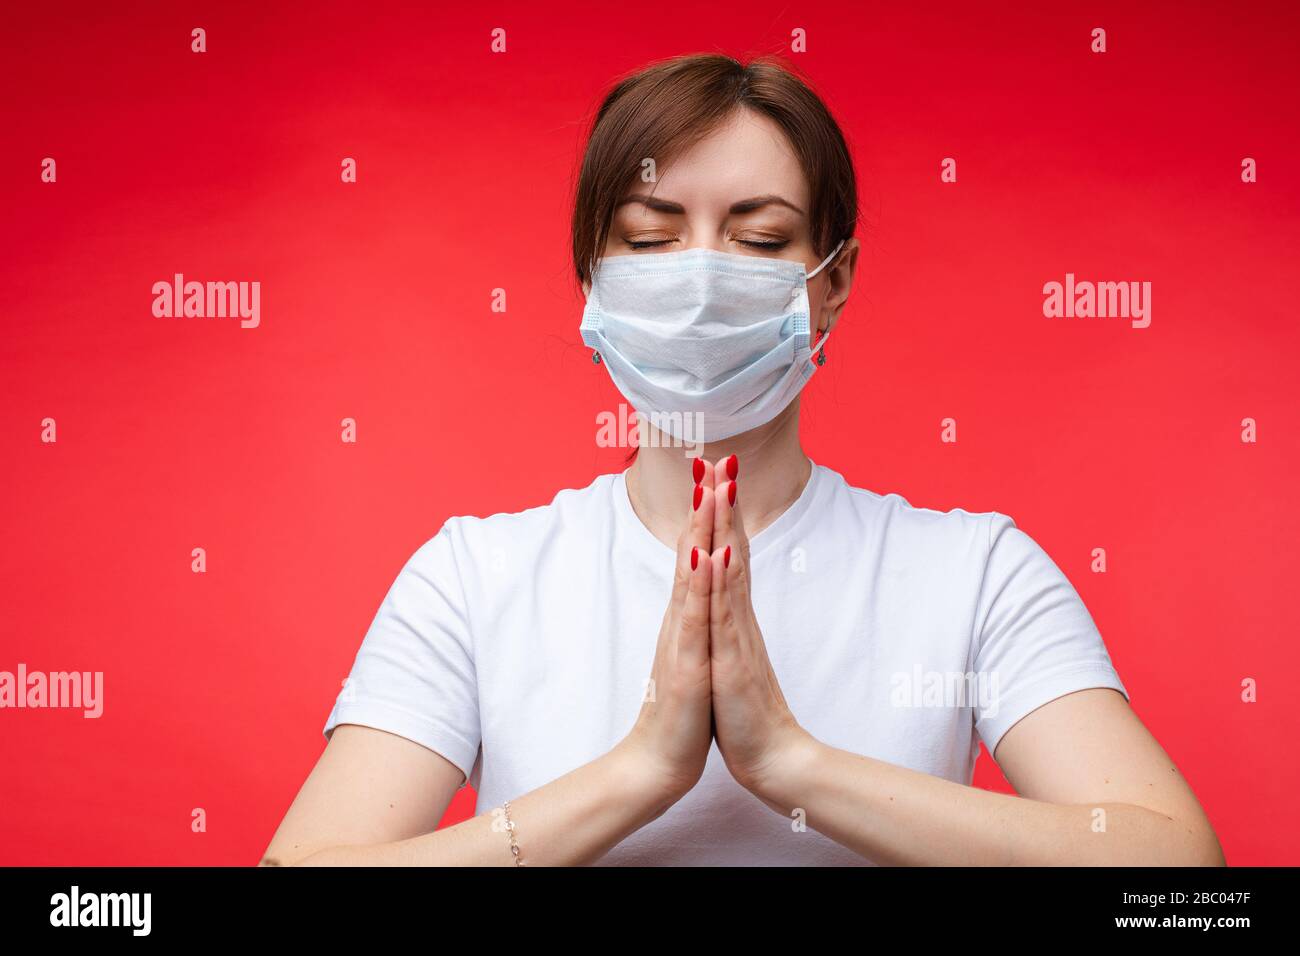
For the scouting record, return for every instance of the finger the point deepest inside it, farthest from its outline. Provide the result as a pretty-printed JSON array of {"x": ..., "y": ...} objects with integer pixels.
[
  {"x": 736, "y": 514},
  {"x": 740, "y": 566},
  {"x": 691, "y": 582},
  {"x": 723, "y": 637},
  {"x": 729, "y": 527},
  {"x": 699, "y": 524},
  {"x": 724, "y": 473},
  {"x": 726, "y": 486},
  {"x": 702, "y": 472},
  {"x": 697, "y": 531},
  {"x": 693, "y": 625}
]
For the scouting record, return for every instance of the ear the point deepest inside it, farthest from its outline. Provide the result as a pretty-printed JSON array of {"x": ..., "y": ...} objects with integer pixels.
[{"x": 839, "y": 280}]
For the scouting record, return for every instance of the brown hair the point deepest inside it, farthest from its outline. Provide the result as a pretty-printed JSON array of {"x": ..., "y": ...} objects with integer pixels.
[{"x": 666, "y": 107}]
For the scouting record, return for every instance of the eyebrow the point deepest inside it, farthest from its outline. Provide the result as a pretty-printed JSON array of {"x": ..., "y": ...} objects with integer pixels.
[{"x": 737, "y": 208}]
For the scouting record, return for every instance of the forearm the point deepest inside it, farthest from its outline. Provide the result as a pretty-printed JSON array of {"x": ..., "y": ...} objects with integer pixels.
[
  {"x": 572, "y": 821},
  {"x": 896, "y": 816}
]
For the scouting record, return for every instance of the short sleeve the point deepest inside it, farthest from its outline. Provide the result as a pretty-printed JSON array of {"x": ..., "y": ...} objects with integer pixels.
[
  {"x": 1035, "y": 639},
  {"x": 414, "y": 672}
]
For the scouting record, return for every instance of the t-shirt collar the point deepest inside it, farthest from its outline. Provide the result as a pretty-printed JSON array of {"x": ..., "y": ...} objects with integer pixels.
[{"x": 785, "y": 523}]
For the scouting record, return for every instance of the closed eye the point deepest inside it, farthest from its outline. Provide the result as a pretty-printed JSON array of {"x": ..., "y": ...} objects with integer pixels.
[{"x": 752, "y": 243}]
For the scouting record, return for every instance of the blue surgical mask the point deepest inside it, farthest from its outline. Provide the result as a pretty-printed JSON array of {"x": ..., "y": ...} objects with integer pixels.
[{"x": 704, "y": 344}]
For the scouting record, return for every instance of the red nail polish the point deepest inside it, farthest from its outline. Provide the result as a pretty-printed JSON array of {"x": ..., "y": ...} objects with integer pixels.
[
  {"x": 695, "y": 558},
  {"x": 733, "y": 467},
  {"x": 699, "y": 494},
  {"x": 698, "y": 469},
  {"x": 731, "y": 493},
  {"x": 726, "y": 557}
]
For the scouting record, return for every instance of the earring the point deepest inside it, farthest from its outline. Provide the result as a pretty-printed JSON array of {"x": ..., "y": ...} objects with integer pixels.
[
  {"x": 595, "y": 358},
  {"x": 821, "y": 357}
]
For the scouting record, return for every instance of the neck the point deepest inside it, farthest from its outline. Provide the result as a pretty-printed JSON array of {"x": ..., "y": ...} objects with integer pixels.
[{"x": 773, "y": 473}]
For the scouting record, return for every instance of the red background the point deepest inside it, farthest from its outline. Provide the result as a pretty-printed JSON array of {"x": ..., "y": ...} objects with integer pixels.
[{"x": 176, "y": 434}]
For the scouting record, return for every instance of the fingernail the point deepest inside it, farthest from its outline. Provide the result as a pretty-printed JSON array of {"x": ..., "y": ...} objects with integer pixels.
[
  {"x": 733, "y": 467},
  {"x": 731, "y": 493},
  {"x": 698, "y": 469},
  {"x": 695, "y": 558},
  {"x": 699, "y": 494},
  {"x": 726, "y": 557}
]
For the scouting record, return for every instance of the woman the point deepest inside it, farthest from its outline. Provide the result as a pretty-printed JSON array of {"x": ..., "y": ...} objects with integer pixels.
[{"x": 733, "y": 657}]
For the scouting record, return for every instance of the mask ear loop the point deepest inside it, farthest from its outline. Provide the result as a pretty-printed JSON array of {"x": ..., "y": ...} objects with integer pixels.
[
  {"x": 819, "y": 348},
  {"x": 586, "y": 294},
  {"x": 834, "y": 253}
]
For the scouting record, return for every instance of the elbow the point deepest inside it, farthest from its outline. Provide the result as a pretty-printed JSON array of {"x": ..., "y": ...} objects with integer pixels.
[
  {"x": 1207, "y": 850},
  {"x": 1185, "y": 839},
  {"x": 1199, "y": 847},
  {"x": 313, "y": 856},
  {"x": 1173, "y": 841}
]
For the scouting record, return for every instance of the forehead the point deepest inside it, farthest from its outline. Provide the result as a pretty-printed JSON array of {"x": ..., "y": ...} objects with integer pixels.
[{"x": 747, "y": 155}]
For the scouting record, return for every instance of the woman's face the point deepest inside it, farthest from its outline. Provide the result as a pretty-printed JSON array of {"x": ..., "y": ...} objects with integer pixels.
[{"x": 739, "y": 190}]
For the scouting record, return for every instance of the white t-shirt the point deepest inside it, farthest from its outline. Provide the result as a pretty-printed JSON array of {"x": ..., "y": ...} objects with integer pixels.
[{"x": 518, "y": 645}]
